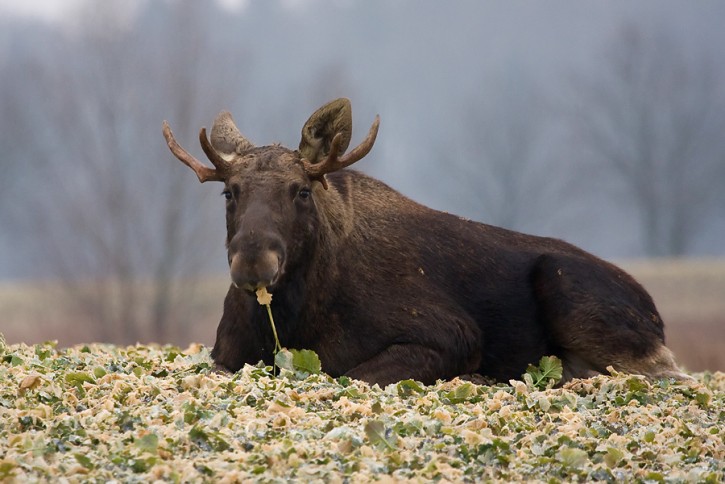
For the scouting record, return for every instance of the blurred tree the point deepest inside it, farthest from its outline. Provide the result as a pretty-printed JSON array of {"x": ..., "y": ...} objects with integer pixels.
[
  {"x": 122, "y": 224},
  {"x": 500, "y": 152},
  {"x": 654, "y": 115}
]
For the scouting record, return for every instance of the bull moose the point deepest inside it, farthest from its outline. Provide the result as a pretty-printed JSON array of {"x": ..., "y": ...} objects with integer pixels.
[{"x": 385, "y": 289}]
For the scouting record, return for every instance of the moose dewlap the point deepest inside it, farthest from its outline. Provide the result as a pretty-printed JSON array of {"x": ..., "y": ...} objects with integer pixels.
[{"x": 385, "y": 289}]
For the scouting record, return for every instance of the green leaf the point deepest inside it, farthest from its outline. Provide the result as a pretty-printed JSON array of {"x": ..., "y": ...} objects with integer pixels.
[
  {"x": 84, "y": 460},
  {"x": 349, "y": 392},
  {"x": 461, "y": 394},
  {"x": 637, "y": 384},
  {"x": 77, "y": 378},
  {"x": 546, "y": 375},
  {"x": 655, "y": 476},
  {"x": 685, "y": 431},
  {"x": 703, "y": 399},
  {"x": 306, "y": 361},
  {"x": 193, "y": 412},
  {"x": 203, "y": 469},
  {"x": 143, "y": 465},
  {"x": 43, "y": 352},
  {"x": 173, "y": 353},
  {"x": 7, "y": 468},
  {"x": 208, "y": 440},
  {"x": 613, "y": 456},
  {"x": 13, "y": 360},
  {"x": 551, "y": 367},
  {"x": 303, "y": 362},
  {"x": 407, "y": 387},
  {"x": 572, "y": 457},
  {"x": 148, "y": 443},
  {"x": 379, "y": 436}
]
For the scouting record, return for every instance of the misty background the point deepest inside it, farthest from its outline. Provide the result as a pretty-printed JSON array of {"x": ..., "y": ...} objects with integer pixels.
[{"x": 601, "y": 123}]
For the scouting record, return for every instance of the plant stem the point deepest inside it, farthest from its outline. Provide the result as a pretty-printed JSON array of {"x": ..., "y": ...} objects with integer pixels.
[{"x": 277, "y": 346}]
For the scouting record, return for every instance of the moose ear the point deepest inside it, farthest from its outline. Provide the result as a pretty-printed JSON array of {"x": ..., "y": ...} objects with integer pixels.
[
  {"x": 317, "y": 133},
  {"x": 226, "y": 139}
]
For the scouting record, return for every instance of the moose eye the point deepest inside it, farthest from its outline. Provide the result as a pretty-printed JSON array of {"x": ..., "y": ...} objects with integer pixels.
[
  {"x": 304, "y": 193},
  {"x": 227, "y": 194}
]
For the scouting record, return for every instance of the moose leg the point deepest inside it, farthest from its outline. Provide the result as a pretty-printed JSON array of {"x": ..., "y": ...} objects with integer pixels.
[
  {"x": 407, "y": 361},
  {"x": 238, "y": 341},
  {"x": 597, "y": 315},
  {"x": 400, "y": 362},
  {"x": 436, "y": 341}
]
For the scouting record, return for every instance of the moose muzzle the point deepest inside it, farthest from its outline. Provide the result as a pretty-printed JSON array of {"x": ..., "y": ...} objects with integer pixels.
[
  {"x": 256, "y": 252},
  {"x": 251, "y": 271}
]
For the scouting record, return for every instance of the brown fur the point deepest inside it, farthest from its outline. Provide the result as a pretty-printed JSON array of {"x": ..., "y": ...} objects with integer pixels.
[{"x": 383, "y": 288}]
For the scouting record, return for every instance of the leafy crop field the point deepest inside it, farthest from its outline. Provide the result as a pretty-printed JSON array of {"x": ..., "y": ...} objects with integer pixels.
[{"x": 145, "y": 413}]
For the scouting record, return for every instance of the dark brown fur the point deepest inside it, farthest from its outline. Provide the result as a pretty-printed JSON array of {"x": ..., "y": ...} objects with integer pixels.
[{"x": 384, "y": 289}]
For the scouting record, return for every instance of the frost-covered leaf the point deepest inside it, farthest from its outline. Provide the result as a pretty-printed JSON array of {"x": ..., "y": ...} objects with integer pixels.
[
  {"x": 408, "y": 387},
  {"x": 207, "y": 439},
  {"x": 380, "y": 436},
  {"x": 13, "y": 360},
  {"x": 613, "y": 456},
  {"x": 147, "y": 443},
  {"x": 461, "y": 393},
  {"x": 284, "y": 359},
  {"x": 30, "y": 382},
  {"x": 84, "y": 460},
  {"x": 104, "y": 413},
  {"x": 77, "y": 378},
  {"x": 572, "y": 457},
  {"x": 7, "y": 469}
]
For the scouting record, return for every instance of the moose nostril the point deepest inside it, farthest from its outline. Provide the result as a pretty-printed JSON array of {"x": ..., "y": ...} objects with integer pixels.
[
  {"x": 235, "y": 270},
  {"x": 266, "y": 269},
  {"x": 255, "y": 272}
]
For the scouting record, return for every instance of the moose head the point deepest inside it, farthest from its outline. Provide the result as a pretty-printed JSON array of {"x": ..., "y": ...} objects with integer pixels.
[{"x": 271, "y": 209}]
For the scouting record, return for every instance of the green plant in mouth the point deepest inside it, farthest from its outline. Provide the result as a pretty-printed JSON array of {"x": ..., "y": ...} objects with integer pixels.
[
  {"x": 265, "y": 299},
  {"x": 304, "y": 362}
]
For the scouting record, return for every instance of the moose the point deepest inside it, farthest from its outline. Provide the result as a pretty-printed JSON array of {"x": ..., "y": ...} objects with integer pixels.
[{"x": 385, "y": 289}]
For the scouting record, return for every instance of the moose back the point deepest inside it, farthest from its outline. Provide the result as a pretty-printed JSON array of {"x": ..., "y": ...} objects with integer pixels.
[{"x": 385, "y": 289}]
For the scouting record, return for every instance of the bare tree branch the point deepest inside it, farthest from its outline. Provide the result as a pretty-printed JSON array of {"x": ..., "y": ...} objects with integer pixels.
[
  {"x": 114, "y": 215},
  {"x": 648, "y": 116}
]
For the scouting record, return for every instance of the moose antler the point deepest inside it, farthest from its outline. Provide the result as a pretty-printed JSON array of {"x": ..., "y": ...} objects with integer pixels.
[
  {"x": 203, "y": 172},
  {"x": 333, "y": 162}
]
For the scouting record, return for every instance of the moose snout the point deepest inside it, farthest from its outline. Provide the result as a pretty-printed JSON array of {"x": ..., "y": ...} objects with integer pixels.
[
  {"x": 263, "y": 271},
  {"x": 256, "y": 264}
]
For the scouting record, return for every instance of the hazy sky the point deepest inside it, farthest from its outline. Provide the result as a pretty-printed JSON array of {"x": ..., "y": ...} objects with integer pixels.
[
  {"x": 45, "y": 9},
  {"x": 423, "y": 66}
]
